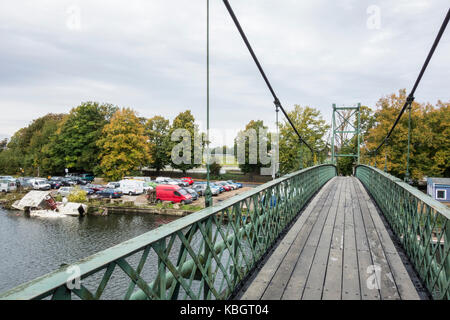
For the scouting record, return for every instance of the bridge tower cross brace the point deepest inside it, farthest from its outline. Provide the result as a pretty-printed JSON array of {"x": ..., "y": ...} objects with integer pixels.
[{"x": 344, "y": 130}]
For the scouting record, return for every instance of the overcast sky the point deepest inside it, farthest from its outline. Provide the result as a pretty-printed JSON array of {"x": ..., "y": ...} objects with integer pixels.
[{"x": 150, "y": 55}]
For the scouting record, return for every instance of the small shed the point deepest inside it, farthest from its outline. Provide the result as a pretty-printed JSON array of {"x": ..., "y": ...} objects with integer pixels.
[{"x": 439, "y": 189}]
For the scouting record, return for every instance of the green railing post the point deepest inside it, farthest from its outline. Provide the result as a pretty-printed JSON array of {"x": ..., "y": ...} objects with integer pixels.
[
  {"x": 208, "y": 193},
  {"x": 409, "y": 143}
]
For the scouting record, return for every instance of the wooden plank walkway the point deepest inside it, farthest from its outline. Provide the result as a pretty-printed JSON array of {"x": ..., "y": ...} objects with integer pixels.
[{"x": 338, "y": 249}]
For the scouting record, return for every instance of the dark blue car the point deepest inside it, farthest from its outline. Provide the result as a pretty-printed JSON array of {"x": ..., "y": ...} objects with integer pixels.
[{"x": 109, "y": 193}]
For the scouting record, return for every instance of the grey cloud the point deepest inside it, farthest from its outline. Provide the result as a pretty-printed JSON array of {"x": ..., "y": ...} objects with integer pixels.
[{"x": 150, "y": 55}]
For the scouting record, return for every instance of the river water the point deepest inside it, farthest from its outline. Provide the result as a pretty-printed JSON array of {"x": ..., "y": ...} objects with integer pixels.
[{"x": 32, "y": 247}]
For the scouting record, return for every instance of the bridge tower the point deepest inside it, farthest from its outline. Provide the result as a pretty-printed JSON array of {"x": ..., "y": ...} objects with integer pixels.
[{"x": 346, "y": 125}]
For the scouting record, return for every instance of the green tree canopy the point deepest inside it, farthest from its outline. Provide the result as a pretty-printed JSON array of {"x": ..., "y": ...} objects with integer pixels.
[
  {"x": 252, "y": 163},
  {"x": 75, "y": 144},
  {"x": 312, "y": 128},
  {"x": 123, "y": 145},
  {"x": 185, "y": 120},
  {"x": 26, "y": 148},
  {"x": 157, "y": 130}
]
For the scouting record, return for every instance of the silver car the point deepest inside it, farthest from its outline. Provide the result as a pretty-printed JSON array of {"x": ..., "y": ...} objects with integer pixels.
[{"x": 65, "y": 191}]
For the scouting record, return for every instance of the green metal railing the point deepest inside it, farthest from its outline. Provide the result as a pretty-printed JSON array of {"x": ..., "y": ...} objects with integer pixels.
[
  {"x": 420, "y": 223},
  {"x": 205, "y": 255}
]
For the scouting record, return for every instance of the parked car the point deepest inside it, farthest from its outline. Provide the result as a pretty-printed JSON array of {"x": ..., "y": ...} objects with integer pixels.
[
  {"x": 88, "y": 177},
  {"x": 225, "y": 185},
  {"x": 172, "y": 193},
  {"x": 238, "y": 184},
  {"x": 218, "y": 186},
  {"x": 68, "y": 181},
  {"x": 232, "y": 185},
  {"x": 95, "y": 187},
  {"x": 193, "y": 193},
  {"x": 109, "y": 193},
  {"x": 40, "y": 184},
  {"x": 55, "y": 183},
  {"x": 65, "y": 191},
  {"x": 113, "y": 185},
  {"x": 24, "y": 182},
  {"x": 131, "y": 187},
  {"x": 201, "y": 189},
  {"x": 88, "y": 190},
  {"x": 188, "y": 180},
  {"x": 161, "y": 179},
  {"x": 7, "y": 185},
  {"x": 79, "y": 181}
]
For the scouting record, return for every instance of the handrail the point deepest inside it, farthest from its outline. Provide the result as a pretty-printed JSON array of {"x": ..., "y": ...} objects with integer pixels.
[
  {"x": 221, "y": 242},
  {"x": 420, "y": 223}
]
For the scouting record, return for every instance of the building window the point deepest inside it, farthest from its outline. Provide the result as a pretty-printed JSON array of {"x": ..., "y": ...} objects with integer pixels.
[{"x": 441, "y": 194}]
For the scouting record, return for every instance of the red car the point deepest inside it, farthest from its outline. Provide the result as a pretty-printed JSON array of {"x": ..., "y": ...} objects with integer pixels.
[{"x": 188, "y": 180}]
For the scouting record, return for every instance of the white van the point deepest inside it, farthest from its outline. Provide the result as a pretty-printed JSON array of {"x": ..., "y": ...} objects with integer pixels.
[
  {"x": 131, "y": 187},
  {"x": 40, "y": 184},
  {"x": 7, "y": 185}
]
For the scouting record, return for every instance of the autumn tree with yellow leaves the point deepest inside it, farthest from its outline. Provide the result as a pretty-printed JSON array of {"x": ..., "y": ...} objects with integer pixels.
[
  {"x": 430, "y": 138},
  {"x": 124, "y": 145}
]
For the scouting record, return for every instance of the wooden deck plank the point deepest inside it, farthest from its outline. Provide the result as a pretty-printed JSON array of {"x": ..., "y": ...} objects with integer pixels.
[
  {"x": 401, "y": 277},
  {"x": 368, "y": 292},
  {"x": 264, "y": 277},
  {"x": 331, "y": 251},
  {"x": 333, "y": 279},
  {"x": 332, "y": 240},
  {"x": 381, "y": 270},
  {"x": 351, "y": 289},
  {"x": 297, "y": 282},
  {"x": 279, "y": 282}
]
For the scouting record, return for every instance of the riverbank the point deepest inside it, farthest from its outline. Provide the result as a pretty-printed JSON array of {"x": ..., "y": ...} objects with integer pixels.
[{"x": 102, "y": 207}]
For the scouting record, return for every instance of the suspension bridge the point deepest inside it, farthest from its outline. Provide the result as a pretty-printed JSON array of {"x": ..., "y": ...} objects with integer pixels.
[{"x": 310, "y": 234}]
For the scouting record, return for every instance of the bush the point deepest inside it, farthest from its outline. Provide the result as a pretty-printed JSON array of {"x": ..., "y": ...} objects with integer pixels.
[
  {"x": 214, "y": 169},
  {"x": 77, "y": 195}
]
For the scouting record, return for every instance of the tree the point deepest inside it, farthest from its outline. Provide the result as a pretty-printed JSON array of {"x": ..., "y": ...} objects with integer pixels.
[
  {"x": 310, "y": 125},
  {"x": 251, "y": 162},
  {"x": 157, "y": 130},
  {"x": 75, "y": 144},
  {"x": 26, "y": 148},
  {"x": 185, "y": 120},
  {"x": 123, "y": 145},
  {"x": 3, "y": 144},
  {"x": 430, "y": 137}
]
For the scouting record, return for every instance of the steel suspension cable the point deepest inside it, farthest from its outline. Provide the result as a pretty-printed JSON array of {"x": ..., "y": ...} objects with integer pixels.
[
  {"x": 410, "y": 98},
  {"x": 261, "y": 70}
]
